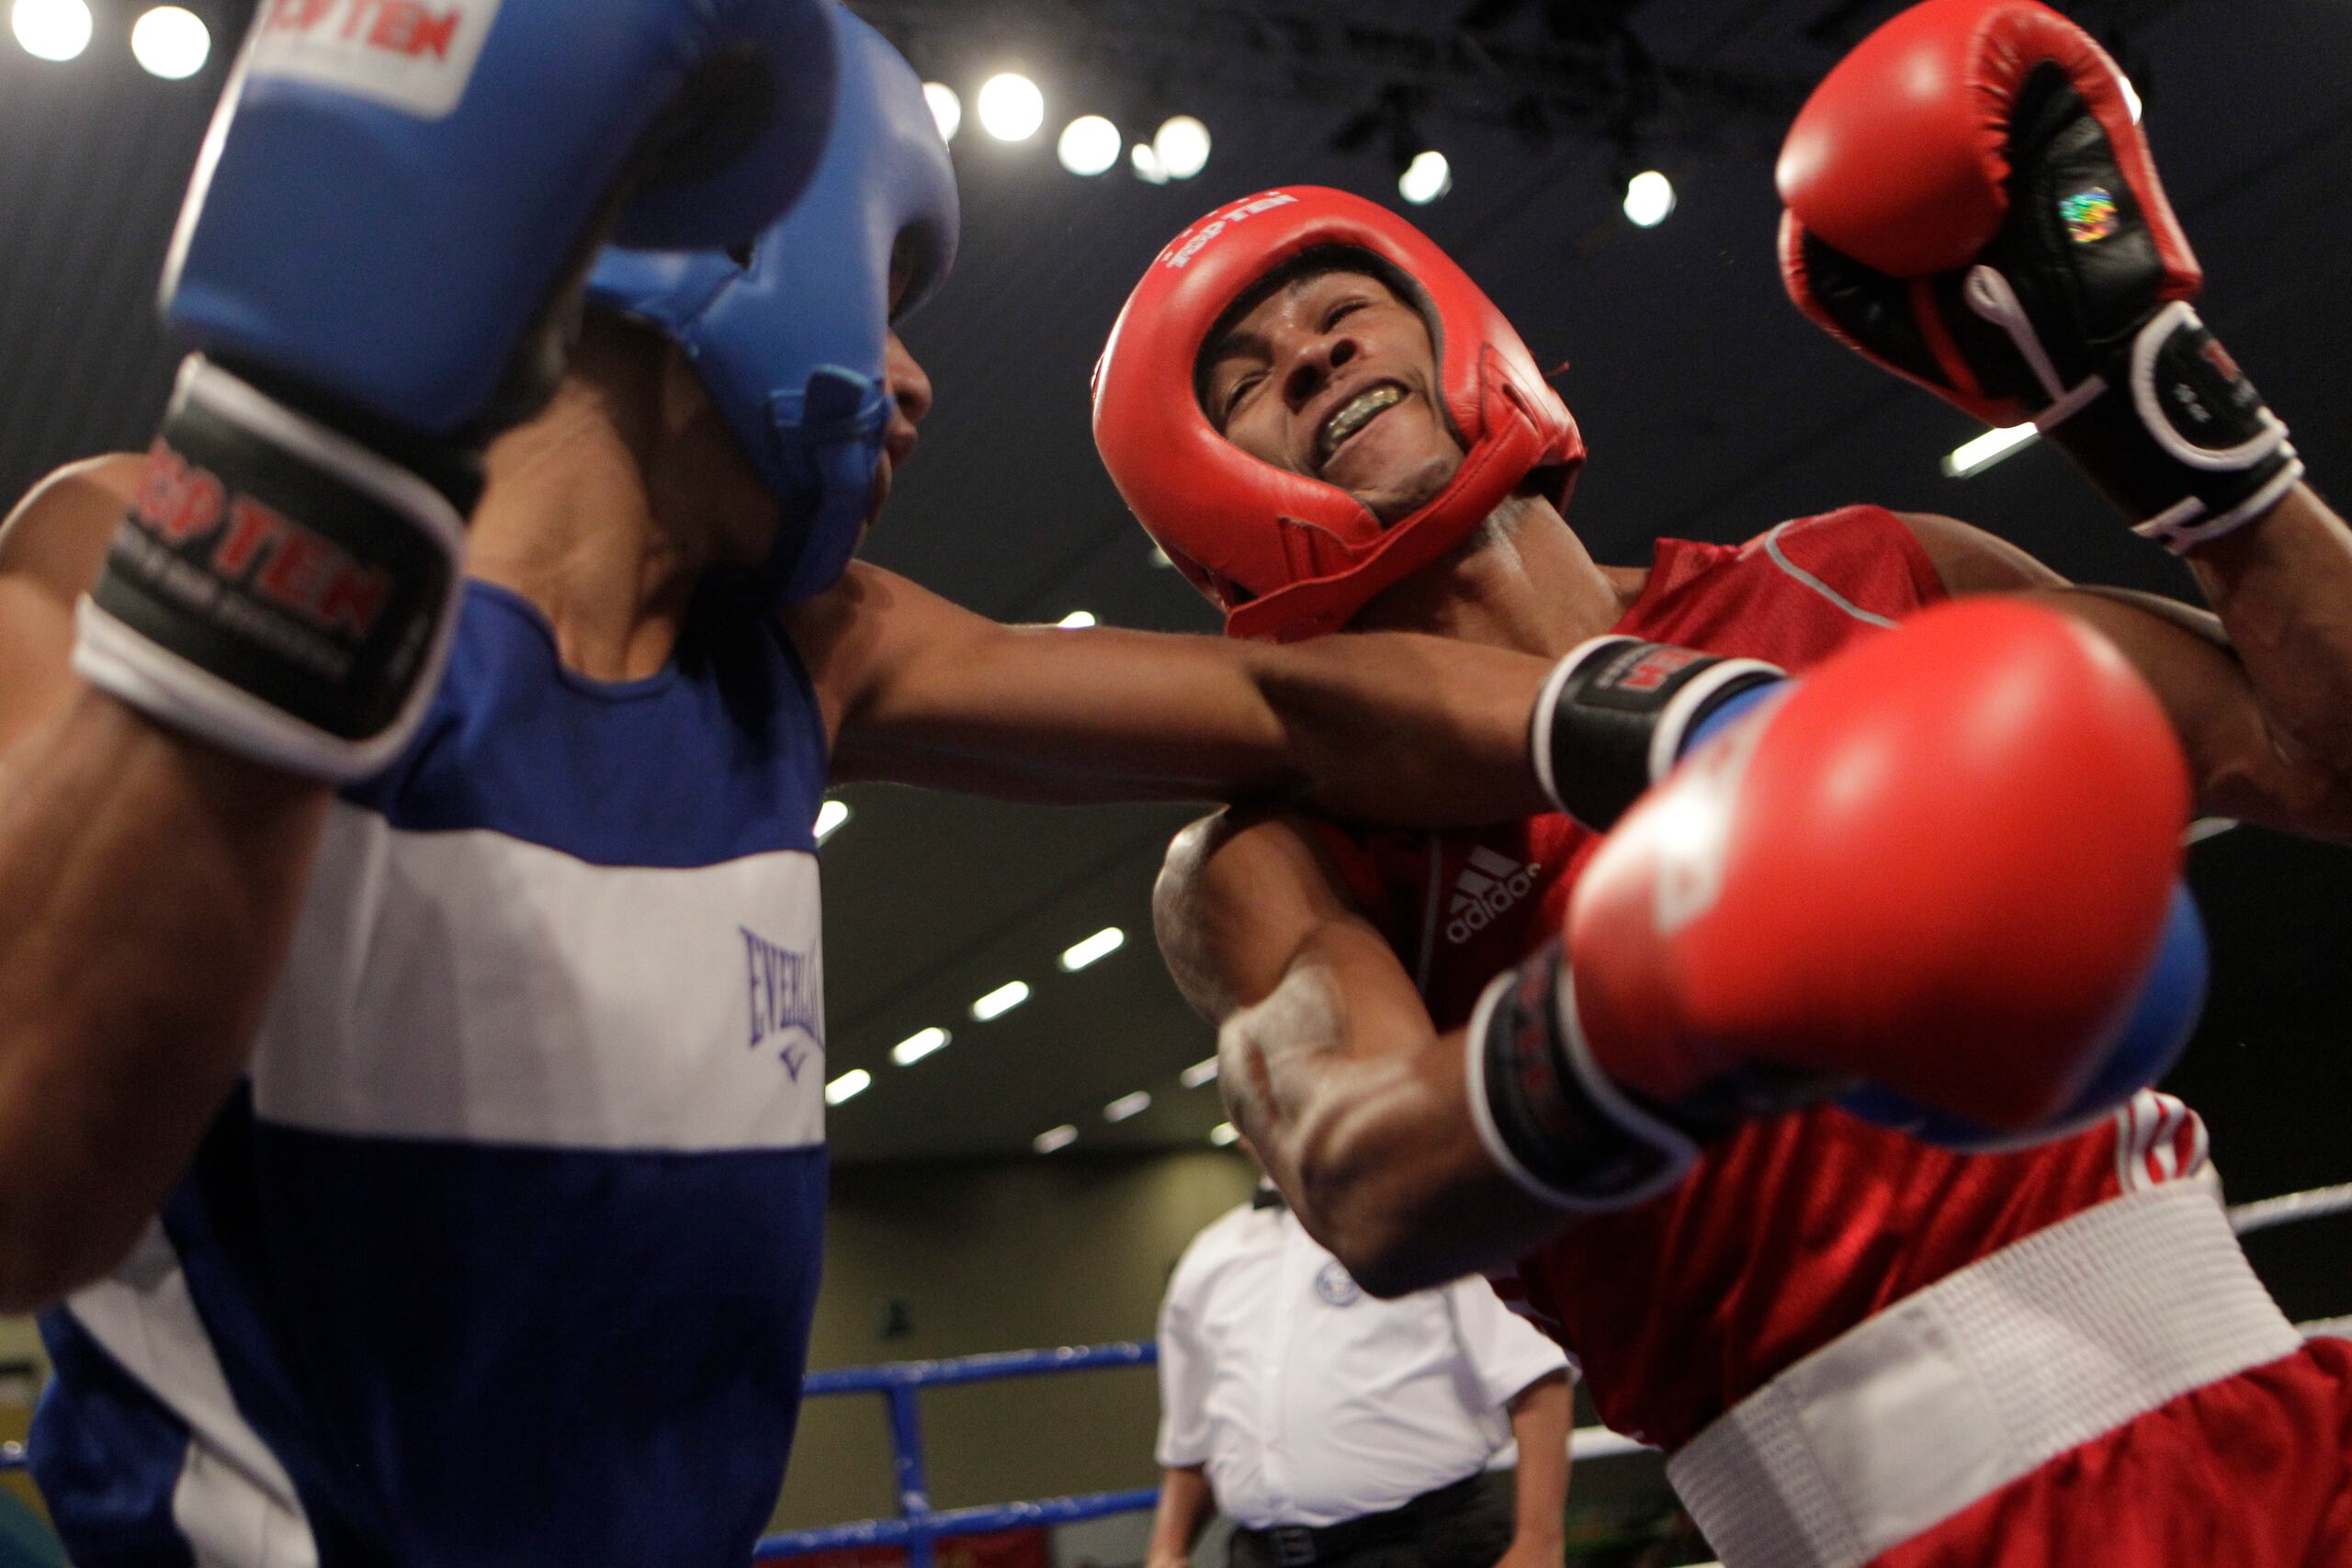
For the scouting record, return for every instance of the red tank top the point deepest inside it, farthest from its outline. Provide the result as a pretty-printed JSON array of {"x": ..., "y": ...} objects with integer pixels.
[{"x": 1794, "y": 1229}]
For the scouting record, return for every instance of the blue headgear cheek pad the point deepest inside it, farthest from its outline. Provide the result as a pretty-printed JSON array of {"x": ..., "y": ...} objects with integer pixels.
[{"x": 791, "y": 348}]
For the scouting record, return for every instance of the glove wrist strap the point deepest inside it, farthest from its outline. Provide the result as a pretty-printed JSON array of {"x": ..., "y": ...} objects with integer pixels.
[
  {"x": 1549, "y": 1118},
  {"x": 2170, "y": 430},
  {"x": 1614, "y": 716},
  {"x": 278, "y": 589}
]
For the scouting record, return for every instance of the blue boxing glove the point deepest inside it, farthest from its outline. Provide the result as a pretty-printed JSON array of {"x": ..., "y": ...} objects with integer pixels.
[
  {"x": 2146, "y": 1045},
  {"x": 379, "y": 265}
]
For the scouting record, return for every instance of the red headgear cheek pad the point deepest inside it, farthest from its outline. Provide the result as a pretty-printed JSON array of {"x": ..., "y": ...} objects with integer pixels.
[{"x": 1286, "y": 556}]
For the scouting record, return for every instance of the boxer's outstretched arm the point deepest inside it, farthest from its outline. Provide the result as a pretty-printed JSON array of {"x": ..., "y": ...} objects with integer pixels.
[
  {"x": 147, "y": 886},
  {"x": 2261, "y": 697},
  {"x": 1330, "y": 1064},
  {"x": 1386, "y": 727}
]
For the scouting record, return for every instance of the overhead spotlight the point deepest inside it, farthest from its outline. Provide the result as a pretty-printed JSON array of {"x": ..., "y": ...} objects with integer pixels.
[
  {"x": 1199, "y": 1073},
  {"x": 1182, "y": 146},
  {"x": 1972, "y": 458},
  {"x": 1012, "y": 109},
  {"x": 52, "y": 29},
  {"x": 170, "y": 43},
  {"x": 1224, "y": 1134},
  {"x": 1650, "y": 199},
  {"x": 1089, "y": 144},
  {"x": 917, "y": 1045},
  {"x": 1054, "y": 1138},
  {"x": 849, "y": 1086},
  {"x": 830, "y": 816},
  {"x": 1426, "y": 178},
  {"x": 947, "y": 109},
  {"x": 1146, "y": 164},
  {"x": 1001, "y": 1000},
  {"x": 1102, "y": 945},
  {"x": 1077, "y": 618},
  {"x": 1128, "y": 1105}
]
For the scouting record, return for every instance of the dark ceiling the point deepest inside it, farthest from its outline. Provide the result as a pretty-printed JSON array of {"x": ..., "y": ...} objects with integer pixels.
[{"x": 1711, "y": 407}]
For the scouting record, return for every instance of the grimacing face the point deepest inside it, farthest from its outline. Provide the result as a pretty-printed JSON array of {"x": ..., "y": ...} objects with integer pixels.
[{"x": 1333, "y": 374}]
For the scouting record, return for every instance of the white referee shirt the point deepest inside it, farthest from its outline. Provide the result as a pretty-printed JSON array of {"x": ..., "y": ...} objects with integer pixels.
[{"x": 1309, "y": 1401}]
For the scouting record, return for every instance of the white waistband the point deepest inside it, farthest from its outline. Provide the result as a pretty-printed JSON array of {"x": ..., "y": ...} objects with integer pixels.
[{"x": 1952, "y": 1393}]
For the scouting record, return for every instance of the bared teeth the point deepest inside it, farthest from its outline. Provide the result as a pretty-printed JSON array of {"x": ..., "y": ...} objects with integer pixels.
[{"x": 1353, "y": 414}]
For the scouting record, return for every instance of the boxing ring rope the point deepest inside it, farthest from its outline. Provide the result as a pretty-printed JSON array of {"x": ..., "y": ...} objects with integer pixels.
[
  {"x": 2320, "y": 1201},
  {"x": 917, "y": 1526}
]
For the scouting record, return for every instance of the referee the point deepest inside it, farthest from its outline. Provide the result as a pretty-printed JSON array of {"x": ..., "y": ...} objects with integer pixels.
[{"x": 1334, "y": 1428}]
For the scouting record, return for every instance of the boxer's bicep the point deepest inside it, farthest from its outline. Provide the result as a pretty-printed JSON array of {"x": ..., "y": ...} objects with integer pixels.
[
  {"x": 2241, "y": 764},
  {"x": 1331, "y": 1066}
]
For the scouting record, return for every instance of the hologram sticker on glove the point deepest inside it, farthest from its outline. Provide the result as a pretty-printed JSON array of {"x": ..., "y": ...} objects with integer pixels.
[{"x": 416, "y": 55}]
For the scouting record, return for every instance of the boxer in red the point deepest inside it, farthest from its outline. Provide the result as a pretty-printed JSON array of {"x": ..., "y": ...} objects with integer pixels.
[{"x": 1858, "y": 1346}]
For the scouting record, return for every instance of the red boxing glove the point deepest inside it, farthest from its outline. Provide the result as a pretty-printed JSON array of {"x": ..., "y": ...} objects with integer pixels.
[
  {"x": 1941, "y": 865},
  {"x": 1972, "y": 206}
]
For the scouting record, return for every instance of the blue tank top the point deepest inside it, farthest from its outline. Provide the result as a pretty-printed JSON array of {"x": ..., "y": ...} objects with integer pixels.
[{"x": 503, "y": 1252}]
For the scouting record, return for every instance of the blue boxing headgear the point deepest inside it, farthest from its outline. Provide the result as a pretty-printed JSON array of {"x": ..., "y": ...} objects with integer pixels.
[{"x": 789, "y": 339}]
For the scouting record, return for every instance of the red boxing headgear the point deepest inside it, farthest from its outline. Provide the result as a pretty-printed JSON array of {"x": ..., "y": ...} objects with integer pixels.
[{"x": 1286, "y": 556}]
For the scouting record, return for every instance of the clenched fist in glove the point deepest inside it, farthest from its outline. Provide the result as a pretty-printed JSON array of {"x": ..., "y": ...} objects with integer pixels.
[{"x": 1971, "y": 205}]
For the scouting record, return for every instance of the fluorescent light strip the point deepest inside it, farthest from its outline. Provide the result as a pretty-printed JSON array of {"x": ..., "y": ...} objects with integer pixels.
[
  {"x": 917, "y": 1045},
  {"x": 849, "y": 1086},
  {"x": 1001, "y": 1000},
  {"x": 1054, "y": 1138},
  {"x": 1223, "y": 1134},
  {"x": 1973, "y": 457},
  {"x": 1128, "y": 1105},
  {"x": 1199, "y": 1073},
  {"x": 1102, "y": 945}
]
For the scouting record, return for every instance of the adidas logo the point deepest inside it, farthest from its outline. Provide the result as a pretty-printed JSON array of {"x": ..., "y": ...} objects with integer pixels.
[{"x": 1489, "y": 884}]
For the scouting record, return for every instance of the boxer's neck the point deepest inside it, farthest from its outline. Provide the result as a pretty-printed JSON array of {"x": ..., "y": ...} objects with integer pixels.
[
  {"x": 1523, "y": 582},
  {"x": 598, "y": 514}
]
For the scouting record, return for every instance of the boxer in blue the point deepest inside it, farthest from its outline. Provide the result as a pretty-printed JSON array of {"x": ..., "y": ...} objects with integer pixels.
[{"x": 410, "y": 1006}]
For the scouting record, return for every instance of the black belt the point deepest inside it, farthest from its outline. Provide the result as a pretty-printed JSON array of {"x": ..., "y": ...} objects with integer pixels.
[{"x": 1295, "y": 1546}]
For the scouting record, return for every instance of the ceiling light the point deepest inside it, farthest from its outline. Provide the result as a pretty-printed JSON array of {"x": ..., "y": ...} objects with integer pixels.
[
  {"x": 1012, "y": 109},
  {"x": 1975, "y": 456},
  {"x": 917, "y": 1045},
  {"x": 1198, "y": 1074},
  {"x": 829, "y": 816},
  {"x": 1146, "y": 164},
  {"x": 1102, "y": 945},
  {"x": 1001, "y": 1000},
  {"x": 1223, "y": 1133},
  {"x": 170, "y": 43},
  {"x": 1089, "y": 144},
  {"x": 1426, "y": 178},
  {"x": 52, "y": 29},
  {"x": 1054, "y": 1138},
  {"x": 1077, "y": 618},
  {"x": 1650, "y": 199},
  {"x": 849, "y": 1086},
  {"x": 1128, "y": 1105},
  {"x": 1180, "y": 145},
  {"x": 947, "y": 109}
]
